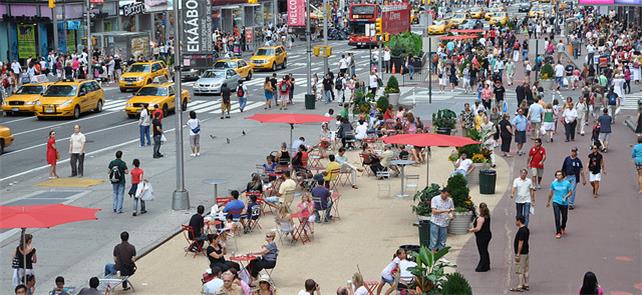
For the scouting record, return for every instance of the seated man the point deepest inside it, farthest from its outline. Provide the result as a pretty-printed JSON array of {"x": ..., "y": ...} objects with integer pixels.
[
  {"x": 60, "y": 287},
  {"x": 361, "y": 131},
  {"x": 463, "y": 165},
  {"x": 346, "y": 166},
  {"x": 328, "y": 175},
  {"x": 196, "y": 222},
  {"x": 215, "y": 284},
  {"x": 235, "y": 207},
  {"x": 386, "y": 157},
  {"x": 286, "y": 189},
  {"x": 322, "y": 201},
  {"x": 124, "y": 258},
  {"x": 94, "y": 282}
]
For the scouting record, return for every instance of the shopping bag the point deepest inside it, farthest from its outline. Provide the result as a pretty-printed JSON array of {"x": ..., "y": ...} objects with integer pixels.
[
  {"x": 145, "y": 191},
  {"x": 617, "y": 110},
  {"x": 163, "y": 138},
  {"x": 532, "y": 210}
]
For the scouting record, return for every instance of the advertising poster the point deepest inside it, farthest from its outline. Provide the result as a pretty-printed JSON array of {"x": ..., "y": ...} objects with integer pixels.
[
  {"x": 26, "y": 41},
  {"x": 596, "y": 2},
  {"x": 296, "y": 13},
  {"x": 71, "y": 41},
  {"x": 196, "y": 26}
]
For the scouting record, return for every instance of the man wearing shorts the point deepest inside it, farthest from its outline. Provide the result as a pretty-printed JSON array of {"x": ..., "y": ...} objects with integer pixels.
[
  {"x": 536, "y": 158},
  {"x": 226, "y": 104},
  {"x": 520, "y": 245},
  {"x": 520, "y": 122},
  {"x": 605, "y": 129},
  {"x": 596, "y": 168}
]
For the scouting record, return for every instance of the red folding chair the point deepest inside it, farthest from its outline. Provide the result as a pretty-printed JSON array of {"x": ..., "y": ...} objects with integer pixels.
[
  {"x": 188, "y": 233},
  {"x": 222, "y": 201},
  {"x": 334, "y": 178},
  {"x": 300, "y": 232},
  {"x": 371, "y": 286},
  {"x": 336, "y": 197}
]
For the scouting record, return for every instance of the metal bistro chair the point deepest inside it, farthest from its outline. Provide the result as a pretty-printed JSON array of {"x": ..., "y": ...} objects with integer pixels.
[
  {"x": 366, "y": 168},
  {"x": 383, "y": 182},
  {"x": 336, "y": 197},
  {"x": 188, "y": 233},
  {"x": 412, "y": 182},
  {"x": 253, "y": 218},
  {"x": 344, "y": 175},
  {"x": 334, "y": 178}
]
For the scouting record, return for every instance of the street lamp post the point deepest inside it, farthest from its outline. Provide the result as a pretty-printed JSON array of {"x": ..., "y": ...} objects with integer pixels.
[
  {"x": 180, "y": 197},
  {"x": 90, "y": 59},
  {"x": 326, "y": 13},
  {"x": 308, "y": 47}
]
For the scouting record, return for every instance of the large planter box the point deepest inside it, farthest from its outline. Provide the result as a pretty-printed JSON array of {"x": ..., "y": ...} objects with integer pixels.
[
  {"x": 461, "y": 223},
  {"x": 473, "y": 177},
  {"x": 393, "y": 98}
]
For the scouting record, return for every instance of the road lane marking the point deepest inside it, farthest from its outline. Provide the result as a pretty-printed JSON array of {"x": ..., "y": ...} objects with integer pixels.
[{"x": 18, "y": 120}]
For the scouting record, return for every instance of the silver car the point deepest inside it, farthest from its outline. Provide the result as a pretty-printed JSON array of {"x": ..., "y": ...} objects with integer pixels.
[{"x": 210, "y": 82}]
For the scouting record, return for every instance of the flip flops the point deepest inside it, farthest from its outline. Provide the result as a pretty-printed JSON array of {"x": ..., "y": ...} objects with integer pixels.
[{"x": 516, "y": 289}]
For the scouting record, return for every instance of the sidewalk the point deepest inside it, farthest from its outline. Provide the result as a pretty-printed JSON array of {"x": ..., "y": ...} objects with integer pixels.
[
  {"x": 78, "y": 251},
  {"x": 371, "y": 228}
]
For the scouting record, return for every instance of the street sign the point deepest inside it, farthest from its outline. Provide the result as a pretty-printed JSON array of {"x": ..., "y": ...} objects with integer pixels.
[{"x": 133, "y": 8}]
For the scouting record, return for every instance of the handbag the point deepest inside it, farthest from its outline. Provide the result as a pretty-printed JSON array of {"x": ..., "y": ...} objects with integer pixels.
[
  {"x": 57, "y": 155},
  {"x": 379, "y": 82},
  {"x": 145, "y": 191},
  {"x": 163, "y": 139},
  {"x": 15, "y": 262}
]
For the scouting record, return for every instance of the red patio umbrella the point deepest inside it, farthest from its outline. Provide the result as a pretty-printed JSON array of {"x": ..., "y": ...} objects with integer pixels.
[
  {"x": 42, "y": 216},
  {"x": 428, "y": 140},
  {"x": 458, "y": 37},
  {"x": 289, "y": 119},
  {"x": 471, "y": 31}
]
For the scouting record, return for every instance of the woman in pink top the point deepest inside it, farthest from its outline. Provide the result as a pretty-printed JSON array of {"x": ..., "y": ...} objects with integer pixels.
[
  {"x": 590, "y": 285},
  {"x": 486, "y": 96},
  {"x": 137, "y": 177}
]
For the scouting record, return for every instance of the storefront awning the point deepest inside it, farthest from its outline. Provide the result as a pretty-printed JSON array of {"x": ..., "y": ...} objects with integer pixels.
[{"x": 231, "y": 7}]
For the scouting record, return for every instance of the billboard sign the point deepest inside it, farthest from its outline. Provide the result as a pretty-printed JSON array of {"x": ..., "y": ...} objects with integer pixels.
[
  {"x": 628, "y": 2},
  {"x": 596, "y": 2},
  {"x": 396, "y": 18},
  {"x": 197, "y": 26},
  {"x": 296, "y": 13},
  {"x": 133, "y": 8}
]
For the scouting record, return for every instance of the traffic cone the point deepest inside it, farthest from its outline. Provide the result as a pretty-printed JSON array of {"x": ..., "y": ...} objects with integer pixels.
[{"x": 394, "y": 69}]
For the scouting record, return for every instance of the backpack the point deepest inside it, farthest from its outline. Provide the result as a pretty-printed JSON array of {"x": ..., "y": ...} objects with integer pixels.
[
  {"x": 115, "y": 175},
  {"x": 338, "y": 83},
  {"x": 612, "y": 97},
  {"x": 240, "y": 92},
  {"x": 284, "y": 87}
]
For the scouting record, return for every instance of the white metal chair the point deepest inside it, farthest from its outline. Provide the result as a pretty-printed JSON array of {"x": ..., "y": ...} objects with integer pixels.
[
  {"x": 412, "y": 182},
  {"x": 383, "y": 182}
]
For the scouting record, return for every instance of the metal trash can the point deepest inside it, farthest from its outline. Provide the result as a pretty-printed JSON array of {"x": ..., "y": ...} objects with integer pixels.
[
  {"x": 487, "y": 180},
  {"x": 424, "y": 233},
  {"x": 310, "y": 101}
]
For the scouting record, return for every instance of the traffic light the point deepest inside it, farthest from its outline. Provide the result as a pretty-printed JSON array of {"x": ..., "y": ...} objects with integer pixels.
[
  {"x": 378, "y": 26},
  {"x": 251, "y": 1},
  {"x": 52, "y": 4}
]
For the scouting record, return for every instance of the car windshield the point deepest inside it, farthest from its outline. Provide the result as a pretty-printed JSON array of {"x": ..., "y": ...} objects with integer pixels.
[
  {"x": 139, "y": 68},
  {"x": 265, "y": 51},
  {"x": 438, "y": 23},
  {"x": 30, "y": 89},
  {"x": 213, "y": 74},
  {"x": 459, "y": 16},
  {"x": 61, "y": 90},
  {"x": 225, "y": 65},
  {"x": 152, "y": 91}
]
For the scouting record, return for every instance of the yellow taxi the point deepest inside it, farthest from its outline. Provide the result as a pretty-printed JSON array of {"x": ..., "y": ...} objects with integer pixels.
[
  {"x": 476, "y": 12},
  {"x": 24, "y": 100},
  {"x": 456, "y": 20},
  {"x": 6, "y": 138},
  {"x": 243, "y": 68},
  {"x": 437, "y": 27},
  {"x": 270, "y": 58},
  {"x": 142, "y": 73},
  {"x": 499, "y": 19},
  {"x": 161, "y": 94},
  {"x": 536, "y": 11},
  {"x": 70, "y": 99},
  {"x": 491, "y": 13}
]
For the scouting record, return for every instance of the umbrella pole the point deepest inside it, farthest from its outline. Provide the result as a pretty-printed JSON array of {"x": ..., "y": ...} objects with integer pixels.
[
  {"x": 24, "y": 256},
  {"x": 291, "y": 142},
  {"x": 427, "y": 166}
]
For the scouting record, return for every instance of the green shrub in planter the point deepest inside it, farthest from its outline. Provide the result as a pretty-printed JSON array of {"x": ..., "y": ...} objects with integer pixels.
[
  {"x": 423, "y": 199},
  {"x": 405, "y": 43},
  {"x": 459, "y": 192},
  {"x": 547, "y": 72},
  {"x": 444, "y": 119},
  {"x": 456, "y": 284},
  {"x": 392, "y": 86},
  {"x": 383, "y": 103}
]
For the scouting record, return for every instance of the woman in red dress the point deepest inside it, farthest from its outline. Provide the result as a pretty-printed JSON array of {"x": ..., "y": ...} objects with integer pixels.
[{"x": 52, "y": 154}]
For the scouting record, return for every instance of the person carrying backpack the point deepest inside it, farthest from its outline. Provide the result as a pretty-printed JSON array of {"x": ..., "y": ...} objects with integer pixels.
[
  {"x": 338, "y": 85},
  {"x": 241, "y": 92},
  {"x": 116, "y": 171},
  {"x": 284, "y": 93}
]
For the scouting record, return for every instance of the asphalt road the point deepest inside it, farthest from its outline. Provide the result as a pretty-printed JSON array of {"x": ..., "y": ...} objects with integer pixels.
[{"x": 112, "y": 127}]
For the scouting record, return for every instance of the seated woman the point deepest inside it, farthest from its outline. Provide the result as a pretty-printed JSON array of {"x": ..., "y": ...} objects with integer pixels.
[
  {"x": 306, "y": 206},
  {"x": 346, "y": 132},
  {"x": 216, "y": 254},
  {"x": 283, "y": 155},
  {"x": 255, "y": 186},
  {"x": 410, "y": 127},
  {"x": 270, "y": 167},
  {"x": 268, "y": 252},
  {"x": 300, "y": 159}
]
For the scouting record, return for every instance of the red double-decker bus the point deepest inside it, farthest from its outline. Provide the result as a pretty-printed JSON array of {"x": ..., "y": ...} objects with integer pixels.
[
  {"x": 360, "y": 16},
  {"x": 395, "y": 19}
]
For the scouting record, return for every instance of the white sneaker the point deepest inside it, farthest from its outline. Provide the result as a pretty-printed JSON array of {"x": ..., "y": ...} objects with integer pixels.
[
  {"x": 198, "y": 154},
  {"x": 192, "y": 155}
]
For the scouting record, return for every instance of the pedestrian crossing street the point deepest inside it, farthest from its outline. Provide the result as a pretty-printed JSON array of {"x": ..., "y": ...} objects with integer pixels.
[{"x": 198, "y": 106}]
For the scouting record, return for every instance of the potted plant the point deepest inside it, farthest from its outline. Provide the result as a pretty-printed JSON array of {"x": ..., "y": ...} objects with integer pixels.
[
  {"x": 444, "y": 121},
  {"x": 546, "y": 75},
  {"x": 361, "y": 104},
  {"x": 460, "y": 193},
  {"x": 430, "y": 271},
  {"x": 456, "y": 284},
  {"x": 423, "y": 198},
  {"x": 382, "y": 103},
  {"x": 392, "y": 90}
]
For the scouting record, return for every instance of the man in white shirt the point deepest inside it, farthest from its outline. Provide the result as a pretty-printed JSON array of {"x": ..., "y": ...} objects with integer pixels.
[
  {"x": 559, "y": 74},
  {"x": 361, "y": 131},
  {"x": 15, "y": 66},
  {"x": 297, "y": 143},
  {"x": 386, "y": 59},
  {"x": 464, "y": 165},
  {"x": 441, "y": 205},
  {"x": 524, "y": 193},
  {"x": 346, "y": 166},
  {"x": 144, "y": 121},
  {"x": 343, "y": 64},
  {"x": 77, "y": 152},
  {"x": 215, "y": 285}
]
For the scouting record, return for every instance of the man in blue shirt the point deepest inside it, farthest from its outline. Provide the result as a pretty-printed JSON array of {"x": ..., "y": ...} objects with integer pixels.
[
  {"x": 561, "y": 190},
  {"x": 234, "y": 207},
  {"x": 605, "y": 129},
  {"x": 636, "y": 154},
  {"x": 520, "y": 122},
  {"x": 573, "y": 169},
  {"x": 322, "y": 201}
]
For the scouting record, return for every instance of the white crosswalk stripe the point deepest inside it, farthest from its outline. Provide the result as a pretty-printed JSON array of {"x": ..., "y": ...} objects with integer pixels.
[
  {"x": 630, "y": 101},
  {"x": 199, "y": 106}
]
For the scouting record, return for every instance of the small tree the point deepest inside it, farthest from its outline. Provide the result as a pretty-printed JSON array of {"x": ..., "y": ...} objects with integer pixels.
[
  {"x": 392, "y": 86},
  {"x": 383, "y": 103},
  {"x": 459, "y": 191},
  {"x": 547, "y": 72},
  {"x": 456, "y": 284}
]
